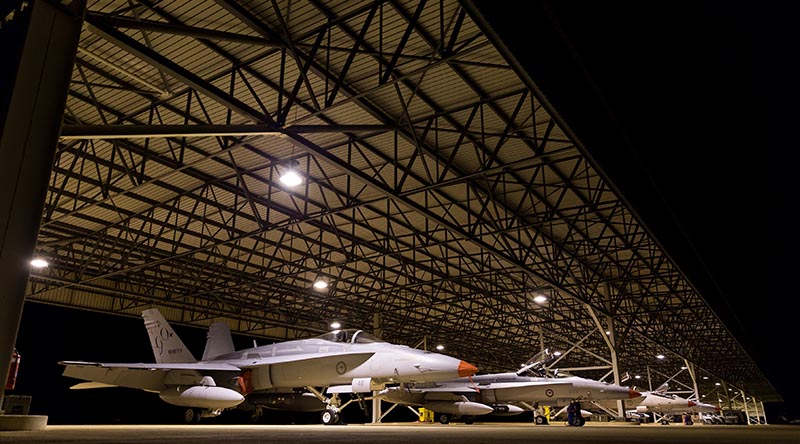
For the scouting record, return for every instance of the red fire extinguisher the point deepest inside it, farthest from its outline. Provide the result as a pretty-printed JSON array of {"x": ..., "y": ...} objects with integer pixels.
[{"x": 12, "y": 371}]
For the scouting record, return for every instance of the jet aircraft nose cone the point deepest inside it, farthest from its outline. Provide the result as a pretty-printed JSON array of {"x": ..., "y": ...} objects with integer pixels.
[
  {"x": 691, "y": 403},
  {"x": 633, "y": 394},
  {"x": 466, "y": 369}
]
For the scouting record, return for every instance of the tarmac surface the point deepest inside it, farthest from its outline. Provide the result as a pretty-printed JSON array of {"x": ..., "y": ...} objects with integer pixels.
[{"x": 408, "y": 433}]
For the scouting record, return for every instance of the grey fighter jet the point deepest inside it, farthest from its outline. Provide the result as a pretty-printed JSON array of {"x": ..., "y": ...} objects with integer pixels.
[
  {"x": 288, "y": 375},
  {"x": 501, "y": 393},
  {"x": 663, "y": 405}
]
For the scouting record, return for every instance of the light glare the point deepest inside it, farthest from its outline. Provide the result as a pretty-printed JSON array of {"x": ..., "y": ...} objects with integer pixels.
[
  {"x": 291, "y": 179},
  {"x": 39, "y": 263}
]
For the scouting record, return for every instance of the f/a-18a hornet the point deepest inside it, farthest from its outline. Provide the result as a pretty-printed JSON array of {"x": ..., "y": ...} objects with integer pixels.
[
  {"x": 663, "y": 404},
  {"x": 290, "y": 375},
  {"x": 502, "y": 393}
]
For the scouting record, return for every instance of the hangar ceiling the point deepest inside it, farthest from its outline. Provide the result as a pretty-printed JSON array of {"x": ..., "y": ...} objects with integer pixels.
[{"x": 440, "y": 192}]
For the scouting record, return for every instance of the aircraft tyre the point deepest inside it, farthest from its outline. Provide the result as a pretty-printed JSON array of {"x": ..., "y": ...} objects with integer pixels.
[
  {"x": 540, "y": 420},
  {"x": 664, "y": 422},
  {"x": 469, "y": 420},
  {"x": 444, "y": 418},
  {"x": 192, "y": 416},
  {"x": 330, "y": 417}
]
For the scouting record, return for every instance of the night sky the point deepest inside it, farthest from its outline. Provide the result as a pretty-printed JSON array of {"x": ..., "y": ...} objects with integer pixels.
[
  {"x": 686, "y": 106},
  {"x": 683, "y": 104}
]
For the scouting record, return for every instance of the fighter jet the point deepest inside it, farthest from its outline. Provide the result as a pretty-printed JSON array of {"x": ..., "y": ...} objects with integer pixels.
[
  {"x": 663, "y": 404},
  {"x": 288, "y": 375},
  {"x": 501, "y": 393}
]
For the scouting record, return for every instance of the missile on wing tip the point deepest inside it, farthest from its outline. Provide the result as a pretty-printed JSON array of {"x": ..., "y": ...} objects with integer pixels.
[
  {"x": 209, "y": 397},
  {"x": 459, "y": 407},
  {"x": 466, "y": 369}
]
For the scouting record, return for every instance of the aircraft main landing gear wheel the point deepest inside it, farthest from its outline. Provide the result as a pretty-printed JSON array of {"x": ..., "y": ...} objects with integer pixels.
[
  {"x": 664, "y": 422},
  {"x": 444, "y": 418},
  {"x": 540, "y": 420},
  {"x": 330, "y": 417},
  {"x": 192, "y": 416},
  {"x": 469, "y": 420}
]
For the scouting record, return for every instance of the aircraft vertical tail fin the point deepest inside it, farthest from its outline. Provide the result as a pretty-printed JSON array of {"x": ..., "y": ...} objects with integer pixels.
[
  {"x": 167, "y": 346},
  {"x": 219, "y": 341}
]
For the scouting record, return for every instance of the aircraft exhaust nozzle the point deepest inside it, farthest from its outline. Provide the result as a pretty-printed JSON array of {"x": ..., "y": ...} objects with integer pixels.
[
  {"x": 690, "y": 403},
  {"x": 466, "y": 369}
]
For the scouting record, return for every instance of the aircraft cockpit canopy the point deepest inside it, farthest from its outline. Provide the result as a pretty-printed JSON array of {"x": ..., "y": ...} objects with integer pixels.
[{"x": 350, "y": 335}]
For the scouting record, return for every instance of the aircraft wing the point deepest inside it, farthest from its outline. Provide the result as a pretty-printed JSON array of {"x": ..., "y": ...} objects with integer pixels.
[
  {"x": 283, "y": 371},
  {"x": 119, "y": 375},
  {"x": 521, "y": 385},
  {"x": 304, "y": 358},
  {"x": 202, "y": 366}
]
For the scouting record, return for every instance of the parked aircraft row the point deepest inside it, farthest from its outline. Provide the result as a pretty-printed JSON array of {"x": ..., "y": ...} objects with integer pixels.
[
  {"x": 309, "y": 375},
  {"x": 504, "y": 393}
]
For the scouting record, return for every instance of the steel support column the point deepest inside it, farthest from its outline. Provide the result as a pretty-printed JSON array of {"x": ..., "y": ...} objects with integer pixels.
[{"x": 31, "y": 110}]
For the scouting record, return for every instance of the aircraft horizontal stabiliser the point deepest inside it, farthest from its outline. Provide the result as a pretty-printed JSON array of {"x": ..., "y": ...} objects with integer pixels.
[{"x": 286, "y": 375}]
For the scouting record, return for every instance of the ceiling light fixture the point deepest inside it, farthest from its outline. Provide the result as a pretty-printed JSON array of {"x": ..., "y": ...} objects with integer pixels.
[
  {"x": 320, "y": 284},
  {"x": 291, "y": 179},
  {"x": 39, "y": 263}
]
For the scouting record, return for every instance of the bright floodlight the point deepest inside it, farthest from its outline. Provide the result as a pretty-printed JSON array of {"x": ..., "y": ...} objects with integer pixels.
[
  {"x": 335, "y": 325},
  {"x": 440, "y": 347},
  {"x": 291, "y": 179},
  {"x": 39, "y": 263},
  {"x": 320, "y": 284},
  {"x": 539, "y": 299},
  {"x": 660, "y": 356}
]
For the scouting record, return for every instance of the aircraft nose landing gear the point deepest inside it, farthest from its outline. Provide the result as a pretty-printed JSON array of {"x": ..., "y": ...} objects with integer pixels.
[{"x": 330, "y": 416}]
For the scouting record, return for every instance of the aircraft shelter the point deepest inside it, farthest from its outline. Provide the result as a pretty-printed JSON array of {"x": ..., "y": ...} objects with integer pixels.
[{"x": 442, "y": 199}]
